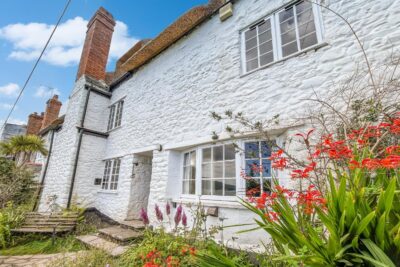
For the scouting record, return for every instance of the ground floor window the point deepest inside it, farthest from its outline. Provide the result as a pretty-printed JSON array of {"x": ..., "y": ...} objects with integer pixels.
[
  {"x": 111, "y": 174},
  {"x": 257, "y": 167},
  {"x": 214, "y": 170}
]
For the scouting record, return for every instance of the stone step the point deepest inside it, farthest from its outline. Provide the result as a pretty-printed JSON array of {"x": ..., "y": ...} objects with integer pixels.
[
  {"x": 41, "y": 229},
  {"x": 119, "y": 234},
  {"x": 132, "y": 224},
  {"x": 95, "y": 241}
]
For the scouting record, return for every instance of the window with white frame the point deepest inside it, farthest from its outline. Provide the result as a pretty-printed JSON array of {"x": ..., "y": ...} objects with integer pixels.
[
  {"x": 115, "y": 117},
  {"x": 216, "y": 175},
  {"x": 189, "y": 173},
  {"x": 257, "y": 167},
  {"x": 284, "y": 33},
  {"x": 111, "y": 174},
  {"x": 218, "y": 171}
]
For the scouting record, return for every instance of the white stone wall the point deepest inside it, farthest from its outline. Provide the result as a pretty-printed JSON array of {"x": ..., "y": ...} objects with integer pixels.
[
  {"x": 168, "y": 101},
  {"x": 59, "y": 172}
]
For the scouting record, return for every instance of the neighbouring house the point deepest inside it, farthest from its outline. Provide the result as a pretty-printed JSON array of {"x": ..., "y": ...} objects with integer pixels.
[
  {"x": 9, "y": 130},
  {"x": 39, "y": 124},
  {"x": 141, "y": 135}
]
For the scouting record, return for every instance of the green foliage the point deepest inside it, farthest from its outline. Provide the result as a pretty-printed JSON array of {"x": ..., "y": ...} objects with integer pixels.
[
  {"x": 10, "y": 217},
  {"x": 16, "y": 183},
  {"x": 361, "y": 222},
  {"x": 39, "y": 244}
]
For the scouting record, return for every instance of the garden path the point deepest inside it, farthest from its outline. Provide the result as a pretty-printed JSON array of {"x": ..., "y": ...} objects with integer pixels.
[{"x": 40, "y": 260}]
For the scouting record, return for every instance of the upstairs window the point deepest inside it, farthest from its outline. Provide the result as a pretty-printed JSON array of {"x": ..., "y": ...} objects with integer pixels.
[
  {"x": 284, "y": 33},
  {"x": 115, "y": 117},
  {"x": 111, "y": 174}
]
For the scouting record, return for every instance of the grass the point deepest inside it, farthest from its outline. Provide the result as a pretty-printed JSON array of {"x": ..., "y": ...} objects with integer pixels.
[{"x": 36, "y": 244}]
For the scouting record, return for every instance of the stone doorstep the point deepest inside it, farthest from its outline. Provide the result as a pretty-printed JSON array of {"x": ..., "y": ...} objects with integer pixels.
[
  {"x": 120, "y": 234},
  {"x": 109, "y": 247},
  {"x": 132, "y": 224}
]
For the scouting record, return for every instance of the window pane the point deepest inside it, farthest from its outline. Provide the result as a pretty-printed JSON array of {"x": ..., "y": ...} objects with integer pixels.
[
  {"x": 266, "y": 47},
  {"x": 193, "y": 173},
  {"x": 193, "y": 158},
  {"x": 265, "y": 150},
  {"x": 306, "y": 28},
  {"x": 206, "y": 170},
  {"x": 230, "y": 187},
  {"x": 286, "y": 19},
  {"x": 252, "y": 53},
  {"x": 218, "y": 187},
  {"x": 301, "y": 7},
  {"x": 230, "y": 169},
  {"x": 264, "y": 26},
  {"x": 308, "y": 41},
  {"x": 252, "y": 64},
  {"x": 253, "y": 188},
  {"x": 267, "y": 185},
  {"x": 252, "y": 167},
  {"x": 206, "y": 187},
  {"x": 186, "y": 161},
  {"x": 217, "y": 170},
  {"x": 251, "y": 150},
  {"x": 286, "y": 14},
  {"x": 185, "y": 188},
  {"x": 250, "y": 33},
  {"x": 289, "y": 49},
  {"x": 266, "y": 168},
  {"x": 186, "y": 173},
  {"x": 267, "y": 58},
  {"x": 229, "y": 152},
  {"x": 288, "y": 37},
  {"x": 251, "y": 43},
  {"x": 111, "y": 117},
  {"x": 207, "y": 154},
  {"x": 192, "y": 187},
  {"x": 264, "y": 37},
  {"x": 218, "y": 153}
]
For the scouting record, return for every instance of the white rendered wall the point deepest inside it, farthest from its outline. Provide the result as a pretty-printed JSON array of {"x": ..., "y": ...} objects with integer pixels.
[{"x": 168, "y": 101}]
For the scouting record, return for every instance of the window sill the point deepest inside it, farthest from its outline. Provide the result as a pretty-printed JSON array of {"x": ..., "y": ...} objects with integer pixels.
[
  {"x": 314, "y": 47},
  {"x": 114, "y": 129},
  {"x": 108, "y": 192},
  {"x": 230, "y": 204}
]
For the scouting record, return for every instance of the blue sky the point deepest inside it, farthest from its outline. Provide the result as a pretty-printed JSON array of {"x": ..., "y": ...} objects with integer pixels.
[{"x": 25, "y": 26}]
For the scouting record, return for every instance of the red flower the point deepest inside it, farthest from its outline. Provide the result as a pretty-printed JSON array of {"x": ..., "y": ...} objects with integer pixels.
[
  {"x": 354, "y": 164},
  {"x": 370, "y": 164},
  {"x": 393, "y": 149},
  {"x": 390, "y": 162},
  {"x": 271, "y": 216},
  {"x": 310, "y": 199},
  {"x": 279, "y": 164}
]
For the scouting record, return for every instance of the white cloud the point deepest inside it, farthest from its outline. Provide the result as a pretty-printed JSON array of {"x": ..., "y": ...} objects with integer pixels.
[
  {"x": 10, "y": 89},
  {"x": 66, "y": 45},
  {"x": 46, "y": 92}
]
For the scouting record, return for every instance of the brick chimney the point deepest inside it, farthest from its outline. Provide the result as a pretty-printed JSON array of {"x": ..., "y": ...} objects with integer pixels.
[
  {"x": 97, "y": 45},
  {"x": 34, "y": 123},
  {"x": 52, "y": 110}
]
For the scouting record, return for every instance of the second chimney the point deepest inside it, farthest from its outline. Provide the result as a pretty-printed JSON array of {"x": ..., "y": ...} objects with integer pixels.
[
  {"x": 35, "y": 122},
  {"x": 52, "y": 110},
  {"x": 97, "y": 45}
]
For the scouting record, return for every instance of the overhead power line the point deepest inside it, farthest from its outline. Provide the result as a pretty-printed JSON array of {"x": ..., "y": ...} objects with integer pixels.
[{"x": 36, "y": 63}]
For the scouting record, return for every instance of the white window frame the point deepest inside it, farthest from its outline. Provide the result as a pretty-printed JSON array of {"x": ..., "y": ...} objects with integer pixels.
[
  {"x": 112, "y": 175},
  {"x": 115, "y": 115},
  {"x": 276, "y": 37}
]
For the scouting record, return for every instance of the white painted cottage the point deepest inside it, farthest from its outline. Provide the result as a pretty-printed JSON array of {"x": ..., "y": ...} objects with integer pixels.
[{"x": 141, "y": 135}]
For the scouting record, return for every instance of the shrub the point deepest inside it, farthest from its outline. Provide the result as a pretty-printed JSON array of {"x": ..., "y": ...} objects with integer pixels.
[
  {"x": 10, "y": 217},
  {"x": 355, "y": 219}
]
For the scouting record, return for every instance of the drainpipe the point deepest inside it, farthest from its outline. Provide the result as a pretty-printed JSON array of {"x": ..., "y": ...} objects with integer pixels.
[
  {"x": 35, "y": 206},
  {"x": 81, "y": 130}
]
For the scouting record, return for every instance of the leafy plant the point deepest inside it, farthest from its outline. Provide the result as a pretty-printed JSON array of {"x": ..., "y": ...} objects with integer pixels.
[
  {"x": 357, "y": 220},
  {"x": 10, "y": 217}
]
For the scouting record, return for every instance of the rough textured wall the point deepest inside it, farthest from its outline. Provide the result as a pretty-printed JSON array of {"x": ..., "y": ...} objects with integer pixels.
[
  {"x": 61, "y": 162},
  {"x": 168, "y": 100},
  {"x": 11, "y": 130}
]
